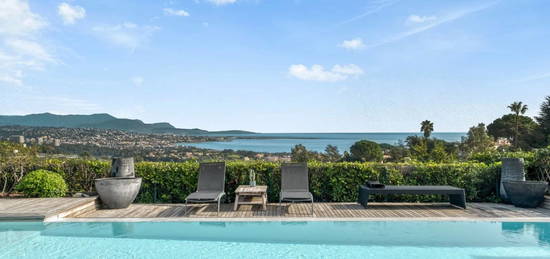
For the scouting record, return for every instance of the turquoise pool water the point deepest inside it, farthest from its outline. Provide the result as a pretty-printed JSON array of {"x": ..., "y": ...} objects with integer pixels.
[{"x": 480, "y": 240}]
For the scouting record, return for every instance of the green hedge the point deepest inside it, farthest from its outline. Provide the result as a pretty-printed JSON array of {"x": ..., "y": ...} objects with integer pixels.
[{"x": 171, "y": 182}]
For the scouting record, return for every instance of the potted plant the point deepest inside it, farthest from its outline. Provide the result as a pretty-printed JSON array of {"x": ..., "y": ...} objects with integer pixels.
[{"x": 526, "y": 194}]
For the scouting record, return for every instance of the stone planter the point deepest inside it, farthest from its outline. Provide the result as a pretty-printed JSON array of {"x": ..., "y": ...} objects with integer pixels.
[
  {"x": 122, "y": 167},
  {"x": 117, "y": 192},
  {"x": 526, "y": 194},
  {"x": 512, "y": 170}
]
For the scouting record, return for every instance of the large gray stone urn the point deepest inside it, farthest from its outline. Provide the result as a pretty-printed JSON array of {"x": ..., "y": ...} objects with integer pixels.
[
  {"x": 526, "y": 194},
  {"x": 120, "y": 190},
  {"x": 512, "y": 170}
]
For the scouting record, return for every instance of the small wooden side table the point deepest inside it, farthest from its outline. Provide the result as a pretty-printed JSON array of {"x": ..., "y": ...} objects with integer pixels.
[{"x": 246, "y": 194}]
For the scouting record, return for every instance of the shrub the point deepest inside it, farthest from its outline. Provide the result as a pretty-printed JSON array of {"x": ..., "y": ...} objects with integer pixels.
[
  {"x": 365, "y": 150},
  {"x": 42, "y": 183}
]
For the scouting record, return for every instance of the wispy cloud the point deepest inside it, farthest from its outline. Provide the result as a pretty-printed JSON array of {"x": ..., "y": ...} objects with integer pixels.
[
  {"x": 534, "y": 77},
  {"x": 172, "y": 12},
  {"x": 21, "y": 49},
  {"x": 318, "y": 72},
  {"x": 416, "y": 19},
  {"x": 371, "y": 8},
  {"x": 353, "y": 44},
  {"x": 450, "y": 17},
  {"x": 127, "y": 35},
  {"x": 222, "y": 2},
  {"x": 70, "y": 13}
]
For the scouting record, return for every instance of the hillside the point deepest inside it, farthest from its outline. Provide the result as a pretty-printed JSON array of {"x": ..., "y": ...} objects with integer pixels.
[{"x": 100, "y": 121}]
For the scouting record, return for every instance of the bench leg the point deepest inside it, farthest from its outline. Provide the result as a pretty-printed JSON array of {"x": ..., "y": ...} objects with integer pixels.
[
  {"x": 236, "y": 206},
  {"x": 363, "y": 197},
  {"x": 458, "y": 200}
]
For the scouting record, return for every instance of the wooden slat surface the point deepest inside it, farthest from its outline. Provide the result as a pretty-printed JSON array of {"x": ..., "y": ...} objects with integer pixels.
[
  {"x": 38, "y": 208},
  {"x": 322, "y": 210}
]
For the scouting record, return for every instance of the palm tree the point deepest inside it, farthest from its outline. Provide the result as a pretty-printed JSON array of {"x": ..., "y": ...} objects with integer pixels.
[
  {"x": 427, "y": 127},
  {"x": 519, "y": 109}
]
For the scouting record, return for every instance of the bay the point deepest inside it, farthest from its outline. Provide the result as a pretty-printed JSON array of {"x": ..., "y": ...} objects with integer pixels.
[{"x": 283, "y": 142}]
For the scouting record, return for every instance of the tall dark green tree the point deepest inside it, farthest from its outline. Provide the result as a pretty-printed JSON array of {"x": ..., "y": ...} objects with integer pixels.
[
  {"x": 544, "y": 119},
  {"x": 504, "y": 127},
  {"x": 365, "y": 150},
  {"x": 427, "y": 127},
  {"x": 518, "y": 108}
]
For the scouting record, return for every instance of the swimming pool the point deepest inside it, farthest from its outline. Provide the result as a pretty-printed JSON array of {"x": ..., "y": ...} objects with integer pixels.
[{"x": 327, "y": 239}]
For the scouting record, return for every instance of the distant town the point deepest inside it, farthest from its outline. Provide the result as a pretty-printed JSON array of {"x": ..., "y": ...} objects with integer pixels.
[{"x": 105, "y": 143}]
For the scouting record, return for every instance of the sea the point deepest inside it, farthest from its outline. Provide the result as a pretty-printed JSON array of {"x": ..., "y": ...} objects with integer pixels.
[{"x": 283, "y": 142}]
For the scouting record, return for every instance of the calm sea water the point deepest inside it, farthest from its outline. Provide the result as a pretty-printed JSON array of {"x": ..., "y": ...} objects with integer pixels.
[
  {"x": 283, "y": 142},
  {"x": 426, "y": 240}
]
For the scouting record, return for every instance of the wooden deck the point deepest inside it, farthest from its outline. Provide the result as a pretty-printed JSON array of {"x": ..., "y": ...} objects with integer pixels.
[
  {"x": 323, "y": 211},
  {"x": 85, "y": 209},
  {"x": 42, "y": 208}
]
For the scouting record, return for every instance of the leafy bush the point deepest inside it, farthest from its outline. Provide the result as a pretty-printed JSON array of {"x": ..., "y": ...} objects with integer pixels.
[
  {"x": 171, "y": 182},
  {"x": 42, "y": 183},
  {"x": 542, "y": 164}
]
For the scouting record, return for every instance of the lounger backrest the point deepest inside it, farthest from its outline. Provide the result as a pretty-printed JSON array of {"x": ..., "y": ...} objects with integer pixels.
[
  {"x": 211, "y": 177},
  {"x": 294, "y": 177}
]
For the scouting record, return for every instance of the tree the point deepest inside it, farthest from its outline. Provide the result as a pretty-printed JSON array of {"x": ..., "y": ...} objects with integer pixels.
[
  {"x": 427, "y": 127},
  {"x": 518, "y": 108},
  {"x": 299, "y": 153},
  {"x": 332, "y": 153},
  {"x": 365, "y": 150},
  {"x": 505, "y": 126},
  {"x": 424, "y": 149},
  {"x": 478, "y": 140},
  {"x": 544, "y": 119}
]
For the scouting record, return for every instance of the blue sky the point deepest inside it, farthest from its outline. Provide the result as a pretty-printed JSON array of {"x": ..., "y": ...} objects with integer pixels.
[{"x": 276, "y": 65}]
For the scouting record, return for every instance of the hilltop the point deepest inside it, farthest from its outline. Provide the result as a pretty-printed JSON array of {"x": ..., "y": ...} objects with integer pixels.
[{"x": 101, "y": 121}]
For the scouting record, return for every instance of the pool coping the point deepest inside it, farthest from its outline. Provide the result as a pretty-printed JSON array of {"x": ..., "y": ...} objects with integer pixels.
[{"x": 300, "y": 219}]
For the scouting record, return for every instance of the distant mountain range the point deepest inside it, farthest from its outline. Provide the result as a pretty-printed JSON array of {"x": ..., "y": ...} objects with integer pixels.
[{"x": 102, "y": 121}]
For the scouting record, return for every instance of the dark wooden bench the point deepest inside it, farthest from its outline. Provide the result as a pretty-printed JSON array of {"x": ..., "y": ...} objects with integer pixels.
[{"x": 456, "y": 195}]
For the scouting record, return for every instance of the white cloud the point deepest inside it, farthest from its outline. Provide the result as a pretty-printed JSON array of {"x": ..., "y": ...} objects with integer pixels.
[
  {"x": 137, "y": 80},
  {"x": 127, "y": 35},
  {"x": 415, "y": 19},
  {"x": 318, "y": 73},
  {"x": 222, "y": 2},
  {"x": 70, "y": 13},
  {"x": 172, "y": 12},
  {"x": 353, "y": 44},
  {"x": 20, "y": 47},
  {"x": 17, "y": 19}
]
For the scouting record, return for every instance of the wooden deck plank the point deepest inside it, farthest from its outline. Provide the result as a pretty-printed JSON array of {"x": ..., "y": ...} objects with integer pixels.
[{"x": 37, "y": 209}]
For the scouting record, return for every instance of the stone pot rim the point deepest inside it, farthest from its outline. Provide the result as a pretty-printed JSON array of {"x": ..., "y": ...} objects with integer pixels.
[
  {"x": 525, "y": 182},
  {"x": 117, "y": 178}
]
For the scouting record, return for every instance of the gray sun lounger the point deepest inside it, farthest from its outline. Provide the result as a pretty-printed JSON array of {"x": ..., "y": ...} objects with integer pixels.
[
  {"x": 456, "y": 195},
  {"x": 211, "y": 185},
  {"x": 295, "y": 184}
]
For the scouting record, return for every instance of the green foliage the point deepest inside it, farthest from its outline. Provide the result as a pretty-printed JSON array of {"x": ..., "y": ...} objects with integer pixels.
[
  {"x": 544, "y": 120},
  {"x": 431, "y": 150},
  {"x": 332, "y": 154},
  {"x": 171, "y": 182},
  {"x": 508, "y": 125},
  {"x": 299, "y": 153},
  {"x": 541, "y": 162},
  {"x": 427, "y": 127},
  {"x": 490, "y": 157},
  {"x": 43, "y": 184},
  {"x": 478, "y": 140},
  {"x": 365, "y": 150}
]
